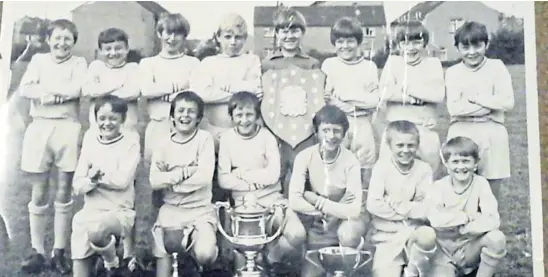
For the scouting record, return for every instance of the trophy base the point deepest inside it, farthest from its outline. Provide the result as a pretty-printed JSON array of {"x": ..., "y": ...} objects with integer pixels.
[{"x": 249, "y": 274}]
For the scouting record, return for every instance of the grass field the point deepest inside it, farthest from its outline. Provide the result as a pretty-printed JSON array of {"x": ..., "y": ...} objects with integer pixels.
[{"x": 514, "y": 206}]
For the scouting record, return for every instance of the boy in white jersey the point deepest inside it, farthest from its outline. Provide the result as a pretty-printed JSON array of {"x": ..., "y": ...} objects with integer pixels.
[
  {"x": 464, "y": 214},
  {"x": 352, "y": 85},
  {"x": 113, "y": 75},
  {"x": 412, "y": 86},
  {"x": 326, "y": 188},
  {"x": 105, "y": 176},
  {"x": 182, "y": 171},
  {"x": 164, "y": 76},
  {"x": 479, "y": 92},
  {"x": 256, "y": 170},
  {"x": 222, "y": 75},
  {"x": 53, "y": 83},
  {"x": 396, "y": 200}
]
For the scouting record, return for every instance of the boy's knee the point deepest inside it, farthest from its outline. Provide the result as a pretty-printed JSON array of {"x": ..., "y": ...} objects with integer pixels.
[
  {"x": 495, "y": 241},
  {"x": 294, "y": 231},
  {"x": 348, "y": 235},
  {"x": 425, "y": 237},
  {"x": 97, "y": 233},
  {"x": 205, "y": 246}
]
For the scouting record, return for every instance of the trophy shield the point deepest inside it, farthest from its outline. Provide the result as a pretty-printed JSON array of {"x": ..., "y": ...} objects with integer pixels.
[{"x": 291, "y": 97}]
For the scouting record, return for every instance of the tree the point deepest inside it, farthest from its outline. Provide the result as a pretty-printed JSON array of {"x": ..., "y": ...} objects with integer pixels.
[{"x": 508, "y": 42}]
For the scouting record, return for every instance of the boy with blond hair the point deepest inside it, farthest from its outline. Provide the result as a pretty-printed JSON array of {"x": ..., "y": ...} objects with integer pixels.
[
  {"x": 229, "y": 72},
  {"x": 396, "y": 199},
  {"x": 182, "y": 171},
  {"x": 352, "y": 85},
  {"x": 53, "y": 83},
  {"x": 105, "y": 176},
  {"x": 113, "y": 75},
  {"x": 412, "y": 86},
  {"x": 464, "y": 214},
  {"x": 479, "y": 93},
  {"x": 257, "y": 171},
  {"x": 164, "y": 76}
]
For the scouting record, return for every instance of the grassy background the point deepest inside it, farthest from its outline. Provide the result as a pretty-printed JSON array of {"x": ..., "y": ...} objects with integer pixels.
[{"x": 514, "y": 204}]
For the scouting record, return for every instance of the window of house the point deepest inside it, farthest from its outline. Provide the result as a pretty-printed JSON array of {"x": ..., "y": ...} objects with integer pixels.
[
  {"x": 368, "y": 32},
  {"x": 455, "y": 24},
  {"x": 269, "y": 32},
  {"x": 443, "y": 54}
]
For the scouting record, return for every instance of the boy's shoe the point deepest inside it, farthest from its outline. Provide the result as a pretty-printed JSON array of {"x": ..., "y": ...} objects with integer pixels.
[
  {"x": 34, "y": 263},
  {"x": 60, "y": 263}
]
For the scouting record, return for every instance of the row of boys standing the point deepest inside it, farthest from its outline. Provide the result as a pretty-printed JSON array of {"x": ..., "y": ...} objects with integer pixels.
[{"x": 478, "y": 92}]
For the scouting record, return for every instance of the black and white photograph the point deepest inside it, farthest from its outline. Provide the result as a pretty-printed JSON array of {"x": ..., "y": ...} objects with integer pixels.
[{"x": 269, "y": 139}]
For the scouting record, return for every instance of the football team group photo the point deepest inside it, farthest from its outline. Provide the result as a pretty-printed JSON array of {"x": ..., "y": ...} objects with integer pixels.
[{"x": 316, "y": 140}]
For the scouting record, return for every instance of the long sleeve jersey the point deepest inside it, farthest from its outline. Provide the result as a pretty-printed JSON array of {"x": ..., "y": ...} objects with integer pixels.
[
  {"x": 257, "y": 157},
  {"x": 354, "y": 85},
  {"x": 333, "y": 180},
  {"x": 118, "y": 160},
  {"x": 101, "y": 79},
  {"x": 44, "y": 76},
  {"x": 195, "y": 191},
  {"x": 423, "y": 81},
  {"x": 411, "y": 188},
  {"x": 490, "y": 83},
  {"x": 157, "y": 76}
]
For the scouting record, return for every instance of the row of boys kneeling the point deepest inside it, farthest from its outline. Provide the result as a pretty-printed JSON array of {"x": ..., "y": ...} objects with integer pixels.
[{"x": 449, "y": 226}]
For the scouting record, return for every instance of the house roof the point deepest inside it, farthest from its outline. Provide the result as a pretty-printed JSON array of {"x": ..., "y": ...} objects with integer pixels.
[
  {"x": 324, "y": 16},
  {"x": 419, "y": 11},
  {"x": 150, "y": 6}
]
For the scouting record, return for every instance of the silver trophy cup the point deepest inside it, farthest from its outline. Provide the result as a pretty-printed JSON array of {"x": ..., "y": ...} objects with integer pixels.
[
  {"x": 339, "y": 261},
  {"x": 249, "y": 233}
]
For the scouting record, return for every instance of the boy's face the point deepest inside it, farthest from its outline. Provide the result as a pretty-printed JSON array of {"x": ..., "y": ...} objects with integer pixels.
[
  {"x": 472, "y": 54},
  {"x": 232, "y": 41},
  {"x": 290, "y": 38},
  {"x": 61, "y": 42},
  {"x": 404, "y": 147},
  {"x": 347, "y": 48},
  {"x": 171, "y": 42},
  {"x": 412, "y": 49},
  {"x": 330, "y": 136},
  {"x": 109, "y": 122},
  {"x": 244, "y": 119},
  {"x": 461, "y": 168},
  {"x": 115, "y": 53},
  {"x": 185, "y": 116}
]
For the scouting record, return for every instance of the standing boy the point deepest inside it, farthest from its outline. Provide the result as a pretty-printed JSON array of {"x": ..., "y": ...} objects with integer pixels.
[
  {"x": 352, "y": 86},
  {"x": 479, "y": 93},
  {"x": 182, "y": 170},
  {"x": 229, "y": 72},
  {"x": 396, "y": 200},
  {"x": 164, "y": 76},
  {"x": 105, "y": 176},
  {"x": 464, "y": 214},
  {"x": 290, "y": 27},
  {"x": 113, "y": 75},
  {"x": 326, "y": 188},
  {"x": 256, "y": 170},
  {"x": 413, "y": 86},
  {"x": 53, "y": 83}
]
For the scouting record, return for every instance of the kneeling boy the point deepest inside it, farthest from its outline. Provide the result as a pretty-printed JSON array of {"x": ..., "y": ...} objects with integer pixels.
[
  {"x": 256, "y": 170},
  {"x": 105, "y": 176},
  {"x": 326, "y": 187},
  {"x": 396, "y": 200},
  {"x": 464, "y": 215},
  {"x": 183, "y": 171}
]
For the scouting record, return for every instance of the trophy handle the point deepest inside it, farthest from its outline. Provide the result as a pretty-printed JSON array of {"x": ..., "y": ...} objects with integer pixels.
[
  {"x": 310, "y": 260},
  {"x": 278, "y": 233},
  {"x": 358, "y": 266},
  {"x": 226, "y": 206}
]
